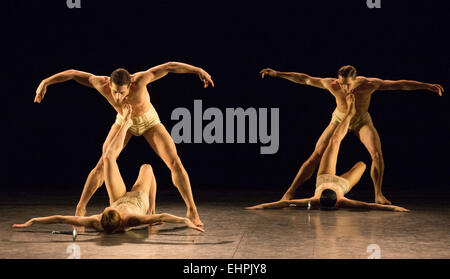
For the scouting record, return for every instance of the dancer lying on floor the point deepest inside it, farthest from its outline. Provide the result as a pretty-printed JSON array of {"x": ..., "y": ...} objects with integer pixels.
[
  {"x": 330, "y": 188},
  {"x": 127, "y": 209}
]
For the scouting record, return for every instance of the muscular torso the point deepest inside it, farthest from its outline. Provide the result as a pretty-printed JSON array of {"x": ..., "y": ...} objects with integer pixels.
[
  {"x": 138, "y": 98},
  {"x": 362, "y": 89}
]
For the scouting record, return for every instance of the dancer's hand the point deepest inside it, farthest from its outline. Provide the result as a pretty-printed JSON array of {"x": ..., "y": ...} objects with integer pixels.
[
  {"x": 40, "y": 92},
  {"x": 205, "y": 78},
  {"x": 24, "y": 225},
  {"x": 398, "y": 208},
  {"x": 192, "y": 226},
  {"x": 259, "y": 206},
  {"x": 268, "y": 72},
  {"x": 436, "y": 88}
]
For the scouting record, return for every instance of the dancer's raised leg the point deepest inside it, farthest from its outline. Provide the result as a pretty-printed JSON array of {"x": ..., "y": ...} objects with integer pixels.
[
  {"x": 113, "y": 180},
  {"x": 329, "y": 158}
]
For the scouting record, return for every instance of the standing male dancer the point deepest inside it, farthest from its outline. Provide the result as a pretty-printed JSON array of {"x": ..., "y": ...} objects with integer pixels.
[
  {"x": 121, "y": 88},
  {"x": 361, "y": 124},
  {"x": 331, "y": 188},
  {"x": 127, "y": 210}
]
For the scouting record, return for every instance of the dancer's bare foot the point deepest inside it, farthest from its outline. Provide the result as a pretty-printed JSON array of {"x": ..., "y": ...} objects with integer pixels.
[
  {"x": 381, "y": 199},
  {"x": 195, "y": 219},
  {"x": 126, "y": 113},
  {"x": 80, "y": 211},
  {"x": 351, "y": 108},
  {"x": 287, "y": 196},
  {"x": 191, "y": 225}
]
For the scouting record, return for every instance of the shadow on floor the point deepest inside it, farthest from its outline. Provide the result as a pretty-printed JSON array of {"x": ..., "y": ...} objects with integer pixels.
[{"x": 135, "y": 236}]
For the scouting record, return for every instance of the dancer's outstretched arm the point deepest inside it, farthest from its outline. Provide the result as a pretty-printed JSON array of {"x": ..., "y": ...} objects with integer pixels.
[
  {"x": 59, "y": 219},
  {"x": 160, "y": 71},
  {"x": 348, "y": 203},
  {"x": 157, "y": 218},
  {"x": 406, "y": 85},
  {"x": 284, "y": 203},
  {"x": 83, "y": 78},
  {"x": 298, "y": 78}
]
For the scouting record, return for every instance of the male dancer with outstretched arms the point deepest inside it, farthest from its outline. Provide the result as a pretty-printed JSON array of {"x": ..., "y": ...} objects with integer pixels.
[
  {"x": 361, "y": 124},
  {"x": 121, "y": 88}
]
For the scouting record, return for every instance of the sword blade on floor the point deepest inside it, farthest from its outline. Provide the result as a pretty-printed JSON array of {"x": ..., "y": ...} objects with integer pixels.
[{"x": 74, "y": 234}]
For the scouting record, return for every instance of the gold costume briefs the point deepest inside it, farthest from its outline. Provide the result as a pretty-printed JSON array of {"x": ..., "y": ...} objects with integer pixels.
[
  {"x": 142, "y": 122},
  {"x": 355, "y": 123}
]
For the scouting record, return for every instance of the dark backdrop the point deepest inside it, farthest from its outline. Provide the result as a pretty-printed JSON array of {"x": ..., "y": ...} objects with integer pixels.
[{"x": 56, "y": 143}]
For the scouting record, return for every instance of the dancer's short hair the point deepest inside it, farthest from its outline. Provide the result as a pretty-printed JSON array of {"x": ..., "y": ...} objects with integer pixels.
[
  {"x": 120, "y": 77},
  {"x": 347, "y": 71},
  {"x": 110, "y": 220},
  {"x": 328, "y": 199}
]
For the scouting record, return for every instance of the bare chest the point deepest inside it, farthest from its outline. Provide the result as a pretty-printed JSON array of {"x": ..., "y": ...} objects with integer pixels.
[
  {"x": 362, "y": 98},
  {"x": 138, "y": 98}
]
